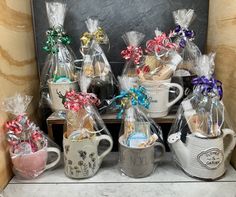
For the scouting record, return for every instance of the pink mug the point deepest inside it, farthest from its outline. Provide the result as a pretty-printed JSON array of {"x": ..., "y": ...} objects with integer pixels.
[{"x": 31, "y": 165}]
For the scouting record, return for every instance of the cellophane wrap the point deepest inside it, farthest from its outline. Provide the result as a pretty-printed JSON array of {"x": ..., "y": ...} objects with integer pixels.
[
  {"x": 27, "y": 143},
  {"x": 83, "y": 119},
  {"x": 161, "y": 59},
  {"x": 200, "y": 117},
  {"x": 131, "y": 104},
  {"x": 133, "y": 54},
  {"x": 59, "y": 65},
  {"x": 96, "y": 75},
  {"x": 184, "y": 37}
]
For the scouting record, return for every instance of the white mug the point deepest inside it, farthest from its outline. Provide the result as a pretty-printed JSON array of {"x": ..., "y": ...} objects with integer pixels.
[
  {"x": 55, "y": 89},
  {"x": 81, "y": 158},
  {"x": 158, "y": 91}
]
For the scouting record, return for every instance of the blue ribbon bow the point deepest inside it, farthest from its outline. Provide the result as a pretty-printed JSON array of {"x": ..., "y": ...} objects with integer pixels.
[
  {"x": 185, "y": 35},
  {"x": 135, "y": 96}
]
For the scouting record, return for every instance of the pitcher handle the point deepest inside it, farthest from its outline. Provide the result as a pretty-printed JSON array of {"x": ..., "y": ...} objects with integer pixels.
[
  {"x": 54, "y": 163},
  {"x": 181, "y": 91},
  {"x": 109, "y": 139},
  {"x": 159, "y": 157},
  {"x": 230, "y": 146}
]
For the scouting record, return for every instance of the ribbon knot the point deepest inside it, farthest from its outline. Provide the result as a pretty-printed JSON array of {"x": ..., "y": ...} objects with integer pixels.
[
  {"x": 159, "y": 43},
  {"x": 75, "y": 101},
  {"x": 209, "y": 86},
  {"x": 134, "y": 53},
  {"x": 55, "y": 35},
  {"x": 132, "y": 97},
  {"x": 185, "y": 34},
  {"x": 99, "y": 36}
]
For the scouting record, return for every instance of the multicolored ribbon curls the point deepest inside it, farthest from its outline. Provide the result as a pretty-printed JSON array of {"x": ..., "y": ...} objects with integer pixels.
[
  {"x": 211, "y": 87},
  {"x": 54, "y": 36},
  {"x": 99, "y": 36},
  {"x": 184, "y": 34},
  {"x": 134, "y": 53},
  {"x": 75, "y": 101},
  {"x": 133, "y": 97},
  {"x": 159, "y": 43}
]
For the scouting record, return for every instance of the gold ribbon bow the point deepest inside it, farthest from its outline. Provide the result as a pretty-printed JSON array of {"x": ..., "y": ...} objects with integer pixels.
[{"x": 99, "y": 36}]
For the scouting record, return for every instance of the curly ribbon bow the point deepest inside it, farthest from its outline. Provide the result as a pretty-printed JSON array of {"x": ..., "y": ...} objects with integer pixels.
[
  {"x": 75, "y": 101},
  {"x": 158, "y": 43},
  {"x": 55, "y": 36},
  {"x": 21, "y": 129},
  {"x": 208, "y": 85},
  {"x": 133, "y": 97},
  {"x": 185, "y": 35},
  {"x": 99, "y": 36},
  {"x": 134, "y": 53}
]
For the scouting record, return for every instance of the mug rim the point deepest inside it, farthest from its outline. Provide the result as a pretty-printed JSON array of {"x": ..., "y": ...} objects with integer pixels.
[
  {"x": 75, "y": 141},
  {"x": 135, "y": 148},
  {"x": 16, "y": 155},
  {"x": 49, "y": 81}
]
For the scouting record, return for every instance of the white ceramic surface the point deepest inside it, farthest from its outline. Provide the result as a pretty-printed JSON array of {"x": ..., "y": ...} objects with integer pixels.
[{"x": 159, "y": 93}]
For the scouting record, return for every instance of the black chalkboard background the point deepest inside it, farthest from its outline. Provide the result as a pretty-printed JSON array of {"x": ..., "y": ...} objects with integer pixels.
[{"x": 117, "y": 17}]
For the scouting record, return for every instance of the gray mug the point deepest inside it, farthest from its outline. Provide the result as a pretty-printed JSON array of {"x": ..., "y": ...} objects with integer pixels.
[{"x": 139, "y": 162}]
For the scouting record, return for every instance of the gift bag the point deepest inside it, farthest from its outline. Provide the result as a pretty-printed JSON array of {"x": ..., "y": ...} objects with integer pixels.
[
  {"x": 184, "y": 37},
  {"x": 140, "y": 140},
  {"x": 159, "y": 53},
  {"x": 29, "y": 146},
  {"x": 201, "y": 138},
  {"x": 87, "y": 140},
  {"x": 133, "y": 54},
  {"x": 96, "y": 75},
  {"x": 58, "y": 73}
]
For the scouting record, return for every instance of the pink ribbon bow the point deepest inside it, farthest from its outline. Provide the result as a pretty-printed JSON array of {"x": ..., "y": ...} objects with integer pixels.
[
  {"x": 75, "y": 101},
  {"x": 134, "y": 53}
]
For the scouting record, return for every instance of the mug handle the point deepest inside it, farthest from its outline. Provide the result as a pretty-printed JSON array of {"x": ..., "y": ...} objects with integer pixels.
[
  {"x": 58, "y": 152},
  {"x": 159, "y": 157},
  {"x": 109, "y": 139},
  {"x": 230, "y": 146},
  {"x": 181, "y": 91}
]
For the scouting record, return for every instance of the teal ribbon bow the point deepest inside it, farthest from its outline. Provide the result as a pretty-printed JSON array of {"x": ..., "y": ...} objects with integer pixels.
[{"x": 133, "y": 97}]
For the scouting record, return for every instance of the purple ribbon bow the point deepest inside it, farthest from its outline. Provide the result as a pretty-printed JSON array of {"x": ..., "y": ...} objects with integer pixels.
[
  {"x": 185, "y": 34},
  {"x": 208, "y": 85}
]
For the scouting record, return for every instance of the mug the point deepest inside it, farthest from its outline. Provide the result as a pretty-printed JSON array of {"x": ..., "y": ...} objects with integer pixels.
[
  {"x": 55, "y": 89},
  {"x": 139, "y": 162},
  {"x": 204, "y": 158},
  {"x": 31, "y": 165},
  {"x": 81, "y": 158},
  {"x": 158, "y": 91}
]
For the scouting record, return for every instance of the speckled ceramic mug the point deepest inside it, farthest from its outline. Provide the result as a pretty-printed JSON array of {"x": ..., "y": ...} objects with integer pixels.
[{"x": 81, "y": 157}]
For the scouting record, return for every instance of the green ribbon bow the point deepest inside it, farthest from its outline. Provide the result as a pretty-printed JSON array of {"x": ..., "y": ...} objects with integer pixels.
[{"x": 55, "y": 36}]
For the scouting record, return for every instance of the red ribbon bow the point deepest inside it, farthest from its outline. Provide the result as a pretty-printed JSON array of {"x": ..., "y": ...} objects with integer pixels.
[
  {"x": 76, "y": 101},
  {"x": 132, "y": 52},
  {"x": 159, "y": 43}
]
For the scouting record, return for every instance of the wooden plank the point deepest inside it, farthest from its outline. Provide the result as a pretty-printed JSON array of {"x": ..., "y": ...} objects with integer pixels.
[
  {"x": 221, "y": 38},
  {"x": 18, "y": 71}
]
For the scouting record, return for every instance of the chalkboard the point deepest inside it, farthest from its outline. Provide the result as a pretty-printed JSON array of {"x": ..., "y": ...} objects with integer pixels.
[{"x": 117, "y": 17}]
